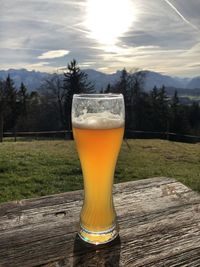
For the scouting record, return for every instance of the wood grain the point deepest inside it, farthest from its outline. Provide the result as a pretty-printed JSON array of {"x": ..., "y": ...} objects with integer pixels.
[{"x": 159, "y": 222}]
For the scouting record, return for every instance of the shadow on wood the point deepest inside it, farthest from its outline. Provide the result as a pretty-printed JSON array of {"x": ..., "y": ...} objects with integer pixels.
[{"x": 101, "y": 255}]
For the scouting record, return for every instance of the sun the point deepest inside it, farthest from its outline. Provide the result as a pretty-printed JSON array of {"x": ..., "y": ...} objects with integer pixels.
[{"x": 107, "y": 20}]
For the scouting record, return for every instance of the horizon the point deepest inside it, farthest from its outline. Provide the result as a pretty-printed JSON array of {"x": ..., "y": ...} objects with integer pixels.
[
  {"x": 119, "y": 70},
  {"x": 106, "y": 36}
]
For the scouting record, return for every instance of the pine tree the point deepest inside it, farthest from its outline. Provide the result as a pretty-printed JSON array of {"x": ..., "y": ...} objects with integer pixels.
[
  {"x": 2, "y": 108},
  {"x": 123, "y": 87},
  {"x": 154, "y": 93},
  {"x": 75, "y": 82},
  {"x": 22, "y": 107},
  {"x": 10, "y": 93},
  {"x": 194, "y": 118},
  {"x": 175, "y": 101},
  {"x": 136, "y": 98},
  {"x": 159, "y": 109},
  {"x": 108, "y": 89},
  {"x": 23, "y": 97},
  {"x": 8, "y": 105},
  {"x": 123, "y": 84},
  {"x": 12, "y": 112}
]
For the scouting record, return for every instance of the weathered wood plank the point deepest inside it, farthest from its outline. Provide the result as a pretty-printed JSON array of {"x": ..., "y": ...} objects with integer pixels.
[{"x": 159, "y": 222}]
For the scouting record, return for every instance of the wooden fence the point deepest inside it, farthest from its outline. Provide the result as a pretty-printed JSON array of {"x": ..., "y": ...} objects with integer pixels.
[
  {"x": 42, "y": 134},
  {"x": 162, "y": 135},
  {"x": 128, "y": 135}
]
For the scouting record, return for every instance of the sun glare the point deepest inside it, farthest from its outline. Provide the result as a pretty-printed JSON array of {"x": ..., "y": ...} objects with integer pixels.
[{"x": 109, "y": 19}]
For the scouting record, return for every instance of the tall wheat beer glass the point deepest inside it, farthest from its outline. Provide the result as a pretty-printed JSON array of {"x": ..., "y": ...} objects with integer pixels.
[{"x": 98, "y": 128}]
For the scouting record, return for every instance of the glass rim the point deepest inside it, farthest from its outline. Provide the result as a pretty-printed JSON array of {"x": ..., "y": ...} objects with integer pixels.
[{"x": 98, "y": 96}]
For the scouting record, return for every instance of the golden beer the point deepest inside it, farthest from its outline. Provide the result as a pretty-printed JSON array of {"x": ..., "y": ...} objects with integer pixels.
[
  {"x": 98, "y": 140},
  {"x": 98, "y": 151}
]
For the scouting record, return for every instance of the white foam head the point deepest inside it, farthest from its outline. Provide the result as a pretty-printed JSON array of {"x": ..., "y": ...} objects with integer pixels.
[{"x": 104, "y": 120}]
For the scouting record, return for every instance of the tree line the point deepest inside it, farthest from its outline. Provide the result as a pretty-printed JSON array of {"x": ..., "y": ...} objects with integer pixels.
[{"x": 49, "y": 108}]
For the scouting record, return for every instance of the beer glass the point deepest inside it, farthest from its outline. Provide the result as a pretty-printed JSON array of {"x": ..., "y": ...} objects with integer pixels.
[{"x": 98, "y": 128}]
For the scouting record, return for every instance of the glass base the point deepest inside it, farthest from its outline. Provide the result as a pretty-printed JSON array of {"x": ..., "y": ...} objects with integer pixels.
[{"x": 98, "y": 238}]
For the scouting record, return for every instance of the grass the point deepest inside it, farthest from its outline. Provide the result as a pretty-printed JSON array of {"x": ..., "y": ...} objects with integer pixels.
[
  {"x": 37, "y": 168},
  {"x": 192, "y": 97}
]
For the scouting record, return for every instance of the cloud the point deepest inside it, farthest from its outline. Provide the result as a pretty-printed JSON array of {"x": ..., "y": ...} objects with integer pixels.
[
  {"x": 53, "y": 54},
  {"x": 40, "y": 64},
  {"x": 36, "y": 32},
  {"x": 180, "y": 15}
]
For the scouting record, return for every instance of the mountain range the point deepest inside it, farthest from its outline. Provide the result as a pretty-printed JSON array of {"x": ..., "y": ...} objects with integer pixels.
[{"x": 33, "y": 79}]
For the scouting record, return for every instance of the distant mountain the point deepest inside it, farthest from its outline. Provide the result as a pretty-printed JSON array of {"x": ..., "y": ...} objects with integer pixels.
[
  {"x": 100, "y": 79},
  {"x": 33, "y": 79},
  {"x": 156, "y": 79},
  {"x": 194, "y": 83},
  {"x": 151, "y": 79}
]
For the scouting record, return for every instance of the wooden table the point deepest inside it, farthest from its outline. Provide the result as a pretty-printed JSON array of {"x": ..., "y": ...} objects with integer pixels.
[{"x": 159, "y": 220}]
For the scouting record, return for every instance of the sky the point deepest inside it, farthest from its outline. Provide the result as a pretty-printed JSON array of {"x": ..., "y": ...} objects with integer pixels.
[{"x": 105, "y": 35}]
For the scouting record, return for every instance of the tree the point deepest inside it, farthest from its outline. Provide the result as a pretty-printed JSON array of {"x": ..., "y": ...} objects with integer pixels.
[
  {"x": 175, "y": 100},
  {"x": 137, "y": 100},
  {"x": 194, "y": 118},
  {"x": 34, "y": 110},
  {"x": 122, "y": 87},
  {"x": 123, "y": 83},
  {"x": 179, "y": 121},
  {"x": 12, "y": 111},
  {"x": 23, "y": 97},
  {"x": 8, "y": 106},
  {"x": 2, "y": 108},
  {"x": 175, "y": 107},
  {"x": 164, "y": 109},
  {"x": 131, "y": 86},
  {"x": 53, "y": 90},
  {"x": 75, "y": 82},
  {"x": 23, "y": 105},
  {"x": 159, "y": 109},
  {"x": 108, "y": 89}
]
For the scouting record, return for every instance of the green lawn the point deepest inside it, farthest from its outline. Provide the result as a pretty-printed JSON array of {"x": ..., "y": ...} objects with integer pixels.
[
  {"x": 192, "y": 97},
  {"x": 37, "y": 168}
]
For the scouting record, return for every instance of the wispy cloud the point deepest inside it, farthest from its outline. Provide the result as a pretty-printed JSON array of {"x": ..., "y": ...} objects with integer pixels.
[
  {"x": 40, "y": 64},
  {"x": 181, "y": 16},
  {"x": 53, "y": 54},
  {"x": 163, "y": 36}
]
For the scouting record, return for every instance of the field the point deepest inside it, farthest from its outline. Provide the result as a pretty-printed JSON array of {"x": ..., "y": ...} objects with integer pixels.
[
  {"x": 193, "y": 97},
  {"x": 36, "y": 168}
]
